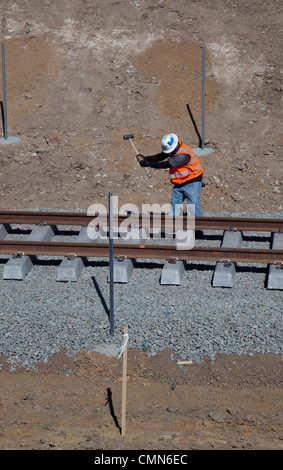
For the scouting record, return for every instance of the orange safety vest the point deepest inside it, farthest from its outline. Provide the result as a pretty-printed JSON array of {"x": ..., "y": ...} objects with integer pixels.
[{"x": 187, "y": 171}]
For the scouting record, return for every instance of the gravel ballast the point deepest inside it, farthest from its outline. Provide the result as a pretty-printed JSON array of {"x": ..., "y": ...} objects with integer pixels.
[{"x": 40, "y": 317}]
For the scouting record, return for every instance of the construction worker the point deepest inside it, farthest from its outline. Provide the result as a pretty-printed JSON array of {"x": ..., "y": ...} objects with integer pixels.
[{"x": 185, "y": 172}]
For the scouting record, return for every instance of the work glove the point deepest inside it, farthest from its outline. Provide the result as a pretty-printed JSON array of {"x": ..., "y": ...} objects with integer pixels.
[{"x": 144, "y": 162}]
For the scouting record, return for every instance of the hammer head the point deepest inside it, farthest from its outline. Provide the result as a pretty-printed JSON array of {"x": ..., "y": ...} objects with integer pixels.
[{"x": 128, "y": 136}]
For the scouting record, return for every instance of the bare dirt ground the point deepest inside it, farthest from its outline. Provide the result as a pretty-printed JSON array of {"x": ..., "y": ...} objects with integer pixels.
[
  {"x": 235, "y": 403},
  {"x": 79, "y": 77}
]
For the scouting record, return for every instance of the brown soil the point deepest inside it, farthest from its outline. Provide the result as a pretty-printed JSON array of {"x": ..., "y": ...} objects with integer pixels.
[
  {"x": 235, "y": 403},
  {"x": 78, "y": 79}
]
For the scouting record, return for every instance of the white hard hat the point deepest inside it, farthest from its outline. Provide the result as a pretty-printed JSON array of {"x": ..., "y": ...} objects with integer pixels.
[{"x": 169, "y": 143}]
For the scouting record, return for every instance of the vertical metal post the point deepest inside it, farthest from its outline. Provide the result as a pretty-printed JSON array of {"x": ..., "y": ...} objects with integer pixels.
[
  {"x": 111, "y": 264},
  {"x": 203, "y": 97},
  {"x": 4, "y": 92}
]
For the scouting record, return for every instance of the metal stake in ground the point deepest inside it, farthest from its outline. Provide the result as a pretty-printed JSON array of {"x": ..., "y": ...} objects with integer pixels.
[
  {"x": 130, "y": 137},
  {"x": 6, "y": 140},
  {"x": 111, "y": 266}
]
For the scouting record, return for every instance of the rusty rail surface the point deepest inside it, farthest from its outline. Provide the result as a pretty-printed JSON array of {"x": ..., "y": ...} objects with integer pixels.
[
  {"x": 144, "y": 220},
  {"x": 244, "y": 255}
]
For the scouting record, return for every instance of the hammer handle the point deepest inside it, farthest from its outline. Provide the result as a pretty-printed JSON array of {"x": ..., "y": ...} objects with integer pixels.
[
  {"x": 148, "y": 174},
  {"x": 134, "y": 147}
]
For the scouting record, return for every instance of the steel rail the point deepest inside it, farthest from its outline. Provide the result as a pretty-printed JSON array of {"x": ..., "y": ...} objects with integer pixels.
[
  {"x": 120, "y": 250},
  {"x": 143, "y": 220}
]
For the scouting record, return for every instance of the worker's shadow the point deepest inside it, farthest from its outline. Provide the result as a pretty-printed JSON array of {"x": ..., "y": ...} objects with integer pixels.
[
  {"x": 110, "y": 403},
  {"x": 195, "y": 125}
]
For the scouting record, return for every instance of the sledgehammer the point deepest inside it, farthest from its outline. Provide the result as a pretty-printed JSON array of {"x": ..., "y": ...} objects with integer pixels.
[{"x": 130, "y": 137}]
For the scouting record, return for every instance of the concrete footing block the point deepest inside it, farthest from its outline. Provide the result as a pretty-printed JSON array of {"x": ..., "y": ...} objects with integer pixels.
[
  {"x": 71, "y": 266},
  {"x": 225, "y": 271},
  {"x": 41, "y": 233},
  {"x": 19, "y": 265},
  {"x": 275, "y": 272},
  {"x": 224, "y": 274},
  {"x": 122, "y": 270},
  {"x": 123, "y": 267},
  {"x": 70, "y": 269},
  {"x": 184, "y": 239},
  {"x": 4, "y": 229},
  {"x": 172, "y": 273},
  {"x": 84, "y": 238}
]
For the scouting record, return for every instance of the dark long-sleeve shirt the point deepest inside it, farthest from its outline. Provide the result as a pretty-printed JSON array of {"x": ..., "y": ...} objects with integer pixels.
[{"x": 158, "y": 161}]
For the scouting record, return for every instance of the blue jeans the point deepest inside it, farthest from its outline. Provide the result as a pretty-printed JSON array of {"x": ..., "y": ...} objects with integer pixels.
[{"x": 191, "y": 192}]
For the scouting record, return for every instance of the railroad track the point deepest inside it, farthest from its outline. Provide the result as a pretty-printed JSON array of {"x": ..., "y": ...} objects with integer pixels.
[
  {"x": 166, "y": 252},
  {"x": 84, "y": 218},
  {"x": 225, "y": 256}
]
